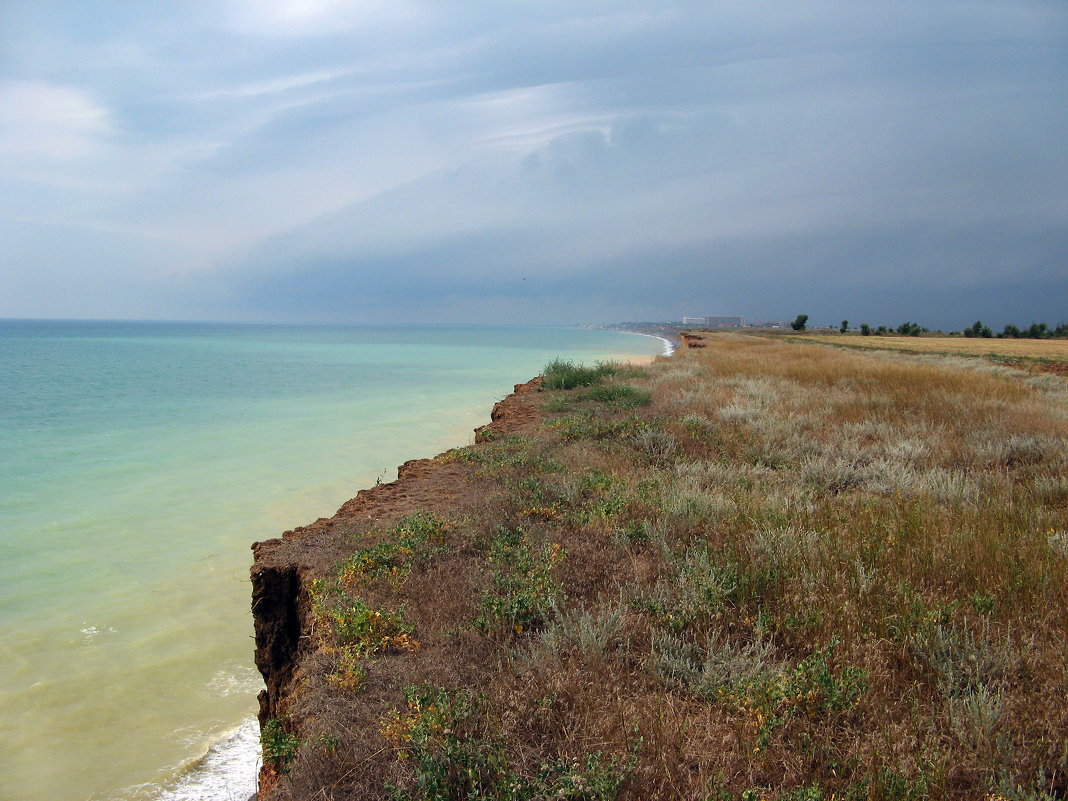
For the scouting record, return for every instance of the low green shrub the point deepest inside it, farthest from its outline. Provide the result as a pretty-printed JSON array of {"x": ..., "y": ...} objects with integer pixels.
[
  {"x": 279, "y": 746},
  {"x": 443, "y": 740},
  {"x": 417, "y": 539},
  {"x": 746, "y": 677},
  {"x": 368, "y": 631},
  {"x": 525, "y": 587}
]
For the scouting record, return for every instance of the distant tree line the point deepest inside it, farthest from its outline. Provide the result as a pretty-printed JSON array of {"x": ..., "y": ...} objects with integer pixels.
[
  {"x": 977, "y": 329},
  {"x": 906, "y": 329},
  {"x": 1034, "y": 331}
]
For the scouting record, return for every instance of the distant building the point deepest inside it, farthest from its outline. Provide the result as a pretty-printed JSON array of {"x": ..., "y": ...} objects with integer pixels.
[
  {"x": 715, "y": 322},
  {"x": 724, "y": 322}
]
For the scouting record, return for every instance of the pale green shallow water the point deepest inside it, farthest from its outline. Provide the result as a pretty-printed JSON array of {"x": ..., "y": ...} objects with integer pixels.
[{"x": 138, "y": 462}]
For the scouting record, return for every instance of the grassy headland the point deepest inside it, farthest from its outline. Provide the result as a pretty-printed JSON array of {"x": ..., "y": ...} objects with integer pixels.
[{"x": 756, "y": 570}]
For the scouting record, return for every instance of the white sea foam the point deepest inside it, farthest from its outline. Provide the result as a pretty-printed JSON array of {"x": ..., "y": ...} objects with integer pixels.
[
  {"x": 226, "y": 773},
  {"x": 90, "y": 633},
  {"x": 669, "y": 346},
  {"x": 241, "y": 679}
]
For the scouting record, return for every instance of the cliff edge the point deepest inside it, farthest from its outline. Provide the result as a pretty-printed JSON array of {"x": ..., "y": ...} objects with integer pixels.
[{"x": 284, "y": 569}]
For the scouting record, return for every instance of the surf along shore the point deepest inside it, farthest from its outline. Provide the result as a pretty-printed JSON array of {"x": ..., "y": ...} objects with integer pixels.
[{"x": 754, "y": 569}]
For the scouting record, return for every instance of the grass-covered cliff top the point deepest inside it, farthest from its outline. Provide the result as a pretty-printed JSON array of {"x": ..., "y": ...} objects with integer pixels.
[{"x": 755, "y": 570}]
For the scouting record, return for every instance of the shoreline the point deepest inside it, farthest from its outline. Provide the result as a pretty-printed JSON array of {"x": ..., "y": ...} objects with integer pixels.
[
  {"x": 230, "y": 751},
  {"x": 221, "y": 771},
  {"x": 228, "y": 769},
  {"x": 669, "y": 347}
]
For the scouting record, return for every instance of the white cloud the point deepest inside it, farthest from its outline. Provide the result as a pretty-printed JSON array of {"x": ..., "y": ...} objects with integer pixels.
[
  {"x": 43, "y": 122},
  {"x": 529, "y": 117},
  {"x": 290, "y": 18},
  {"x": 275, "y": 86}
]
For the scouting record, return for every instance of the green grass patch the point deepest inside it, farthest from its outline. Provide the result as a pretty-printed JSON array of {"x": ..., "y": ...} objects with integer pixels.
[
  {"x": 352, "y": 631},
  {"x": 620, "y": 396},
  {"x": 591, "y": 426},
  {"x": 560, "y": 374},
  {"x": 558, "y": 403}
]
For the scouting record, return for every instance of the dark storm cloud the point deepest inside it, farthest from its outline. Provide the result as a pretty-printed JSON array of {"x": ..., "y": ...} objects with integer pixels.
[{"x": 545, "y": 162}]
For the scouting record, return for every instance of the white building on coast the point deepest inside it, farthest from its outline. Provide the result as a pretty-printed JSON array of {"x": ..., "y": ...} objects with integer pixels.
[{"x": 715, "y": 321}]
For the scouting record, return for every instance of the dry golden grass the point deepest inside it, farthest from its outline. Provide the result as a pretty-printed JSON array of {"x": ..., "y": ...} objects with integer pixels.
[
  {"x": 1052, "y": 349},
  {"x": 761, "y": 569}
]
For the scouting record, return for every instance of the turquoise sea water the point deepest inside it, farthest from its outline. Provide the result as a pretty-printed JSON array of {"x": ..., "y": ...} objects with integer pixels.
[{"x": 138, "y": 462}]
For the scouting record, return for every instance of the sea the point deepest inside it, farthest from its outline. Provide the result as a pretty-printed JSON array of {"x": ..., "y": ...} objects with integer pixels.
[{"x": 138, "y": 463}]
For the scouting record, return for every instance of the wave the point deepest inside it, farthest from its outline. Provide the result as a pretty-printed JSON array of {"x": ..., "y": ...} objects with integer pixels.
[{"x": 227, "y": 772}]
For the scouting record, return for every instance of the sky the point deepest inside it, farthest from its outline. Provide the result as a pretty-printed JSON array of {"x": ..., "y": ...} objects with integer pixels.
[{"x": 536, "y": 162}]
